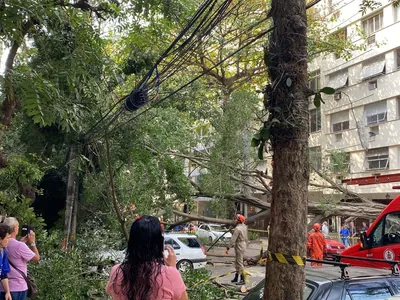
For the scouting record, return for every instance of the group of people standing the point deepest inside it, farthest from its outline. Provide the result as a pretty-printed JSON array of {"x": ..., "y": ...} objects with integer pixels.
[
  {"x": 316, "y": 244},
  {"x": 14, "y": 258},
  {"x": 348, "y": 233}
]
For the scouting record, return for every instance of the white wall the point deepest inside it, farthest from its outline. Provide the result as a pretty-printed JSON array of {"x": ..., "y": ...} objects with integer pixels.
[{"x": 358, "y": 93}]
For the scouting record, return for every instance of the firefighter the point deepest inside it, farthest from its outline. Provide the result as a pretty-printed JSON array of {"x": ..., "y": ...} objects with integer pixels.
[
  {"x": 316, "y": 244},
  {"x": 239, "y": 240}
]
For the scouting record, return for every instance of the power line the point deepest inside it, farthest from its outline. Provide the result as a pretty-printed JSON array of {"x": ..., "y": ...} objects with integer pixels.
[
  {"x": 194, "y": 79},
  {"x": 218, "y": 16},
  {"x": 202, "y": 16}
]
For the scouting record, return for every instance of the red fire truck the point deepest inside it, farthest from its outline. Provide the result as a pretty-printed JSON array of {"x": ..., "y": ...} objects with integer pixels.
[{"x": 380, "y": 241}]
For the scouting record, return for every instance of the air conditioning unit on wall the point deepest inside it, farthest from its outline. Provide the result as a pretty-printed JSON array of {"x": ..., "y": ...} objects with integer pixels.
[
  {"x": 371, "y": 39},
  {"x": 337, "y": 96}
]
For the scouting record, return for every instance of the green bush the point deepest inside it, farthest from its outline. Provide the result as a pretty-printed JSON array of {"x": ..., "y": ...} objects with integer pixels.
[
  {"x": 66, "y": 275},
  {"x": 199, "y": 288},
  {"x": 253, "y": 235}
]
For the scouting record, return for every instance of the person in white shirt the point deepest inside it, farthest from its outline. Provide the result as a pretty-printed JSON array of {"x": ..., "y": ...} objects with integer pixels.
[{"x": 325, "y": 228}]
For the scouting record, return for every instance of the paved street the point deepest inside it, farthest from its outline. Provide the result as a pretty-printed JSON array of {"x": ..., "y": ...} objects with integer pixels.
[{"x": 220, "y": 264}]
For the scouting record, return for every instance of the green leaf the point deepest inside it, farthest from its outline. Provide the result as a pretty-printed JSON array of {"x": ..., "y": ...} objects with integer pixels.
[
  {"x": 261, "y": 151},
  {"x": 317, "y": 100},
  {"x": 264, "y": 133},
  {"x": 257, "y": 136},
  {"x": 255, "y": 142},
  {"x": 327, "y": 90}
]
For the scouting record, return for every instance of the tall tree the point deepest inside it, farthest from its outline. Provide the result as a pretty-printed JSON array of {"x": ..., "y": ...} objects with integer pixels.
[{"x": 287, "y": 127}]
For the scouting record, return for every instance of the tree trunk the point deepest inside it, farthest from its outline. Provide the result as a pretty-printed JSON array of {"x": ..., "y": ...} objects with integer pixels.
[
  {"x": 10, "y": 101},
  {"x": 288, "y": 106},
  {"x": 69, "y": 203},
  {"x": 74, "y": 221},
  {"x": 113, "y": 194}
]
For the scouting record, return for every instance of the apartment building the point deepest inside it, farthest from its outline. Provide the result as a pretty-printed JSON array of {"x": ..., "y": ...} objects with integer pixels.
[{"x": 362, "y": 119}]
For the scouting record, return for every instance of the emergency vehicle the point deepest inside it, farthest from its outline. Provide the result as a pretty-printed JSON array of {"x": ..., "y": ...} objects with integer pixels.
[{"x": 380, "y": 241}]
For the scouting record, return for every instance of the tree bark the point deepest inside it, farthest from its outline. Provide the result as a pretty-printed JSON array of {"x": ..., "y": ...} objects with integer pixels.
[
  {"x": 74, "y": 221},
  {"x": 288, "y": 106},
  {"x": 10, "y": 101}
]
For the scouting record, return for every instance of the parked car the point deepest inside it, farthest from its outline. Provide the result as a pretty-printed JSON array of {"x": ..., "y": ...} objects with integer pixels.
[
  {"x": 190, "y": 254},
  {"x": 333, "y": 247},
  {"x": 212, "y": 232},
  {"x": 325, "y": 283}
]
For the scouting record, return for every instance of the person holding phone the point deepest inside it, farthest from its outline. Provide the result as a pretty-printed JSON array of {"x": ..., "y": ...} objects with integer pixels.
[
  {"x": 146, "y": 274},
  {"x": 19, "y": 254}
]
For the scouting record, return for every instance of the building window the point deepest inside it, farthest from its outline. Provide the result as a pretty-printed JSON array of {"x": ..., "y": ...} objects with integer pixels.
[
  {"x": 398, "y": 108},
  {"x": 339, "y": 79},
  {"x": 315, "y": 120},
  {"x": 376, "y": 113},
  {"x": 398, "y": 57},
  {"x": 377, "y": 158},
  {"x": 316, "y": 157},
  {"x": 373, "y": 67},
  {"x": 339, "y": 36},
  {"x": 396, "y": 13},
  {"x": 315, "y": 81},
  {"x": 340, "y": 121},
  {"x": 373, "y": 24}
]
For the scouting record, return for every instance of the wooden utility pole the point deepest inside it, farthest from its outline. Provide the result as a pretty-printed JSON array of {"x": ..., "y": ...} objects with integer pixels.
[{"x": 287, "y": 102}]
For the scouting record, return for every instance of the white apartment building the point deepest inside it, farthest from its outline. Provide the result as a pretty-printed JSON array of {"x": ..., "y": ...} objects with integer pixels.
[{"x": 362, "y": 119}]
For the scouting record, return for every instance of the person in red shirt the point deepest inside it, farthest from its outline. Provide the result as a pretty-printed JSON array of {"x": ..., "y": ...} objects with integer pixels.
[{"x": 316, "y": 244}]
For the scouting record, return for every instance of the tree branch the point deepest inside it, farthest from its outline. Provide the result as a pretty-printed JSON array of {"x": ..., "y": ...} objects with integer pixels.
[{"x": 10, "y": 101}]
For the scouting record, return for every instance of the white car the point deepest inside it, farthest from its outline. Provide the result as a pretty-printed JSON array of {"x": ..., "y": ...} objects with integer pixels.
[
  {"x": 190, "y": 254},
  {"x": 212, "y": 232}
]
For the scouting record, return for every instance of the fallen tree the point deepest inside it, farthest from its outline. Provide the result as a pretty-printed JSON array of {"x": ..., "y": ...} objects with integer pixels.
[{"x": 261, "y": 215}]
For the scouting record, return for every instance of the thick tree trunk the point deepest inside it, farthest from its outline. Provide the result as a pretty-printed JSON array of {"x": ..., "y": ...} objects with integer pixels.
[{"x": 288, "y": 106}]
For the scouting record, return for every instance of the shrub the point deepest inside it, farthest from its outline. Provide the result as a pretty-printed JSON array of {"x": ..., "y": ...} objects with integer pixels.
[{"x": 204, "y": 290}]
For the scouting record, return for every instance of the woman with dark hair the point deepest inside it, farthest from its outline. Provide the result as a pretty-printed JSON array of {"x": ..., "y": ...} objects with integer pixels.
[{"x": 145, "y": 273}]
